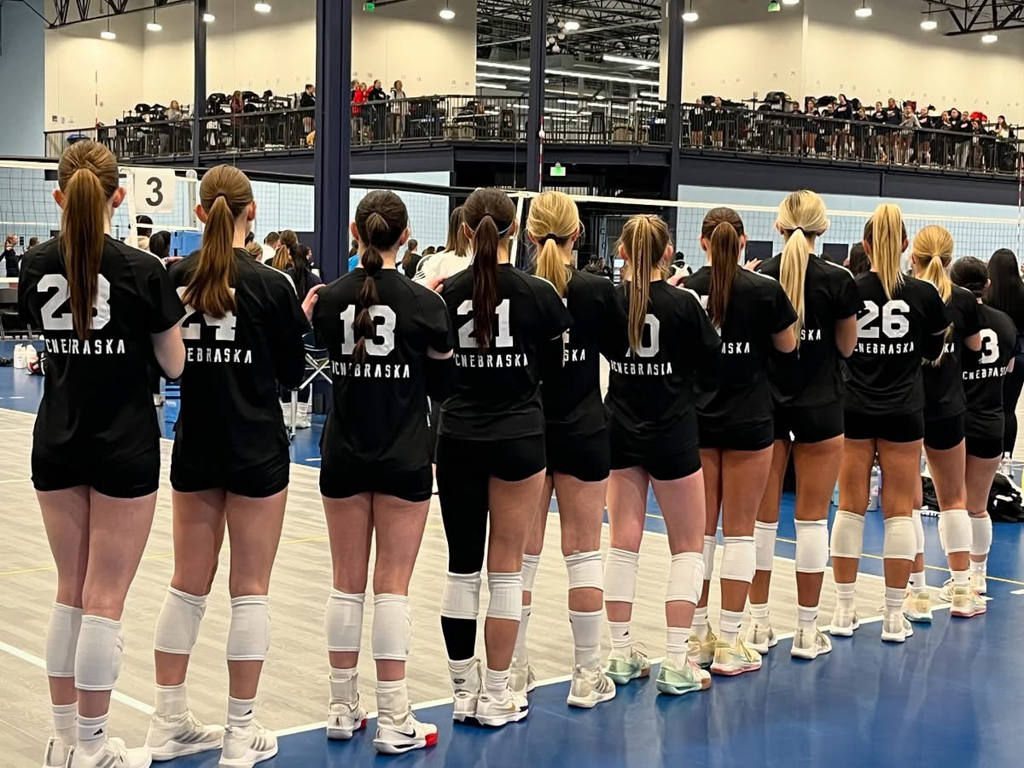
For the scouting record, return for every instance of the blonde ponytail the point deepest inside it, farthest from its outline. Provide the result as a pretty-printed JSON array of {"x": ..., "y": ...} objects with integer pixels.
[
  {"x": 801, "y": 219},
  {"x": 553, "y": 220},
  {"x": 885, "y": 233},
  {"x": 933, "y": 252}
]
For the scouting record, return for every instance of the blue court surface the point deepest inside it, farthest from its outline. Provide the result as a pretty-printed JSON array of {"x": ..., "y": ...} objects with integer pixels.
[{"x": 948, "y": 697}]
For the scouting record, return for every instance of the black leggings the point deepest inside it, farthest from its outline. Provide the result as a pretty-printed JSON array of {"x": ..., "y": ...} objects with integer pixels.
[
  {"x": 1012, "y": 385},
  {"x": 464, "y": 470}
]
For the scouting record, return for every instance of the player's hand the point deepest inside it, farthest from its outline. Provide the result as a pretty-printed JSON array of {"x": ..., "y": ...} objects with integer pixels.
[
  {"x": 436, "y": 284},
  {"x": 310, "y": 301},
  {"x": 676, "y": 279},
  {"x": 752, "y": 265}
]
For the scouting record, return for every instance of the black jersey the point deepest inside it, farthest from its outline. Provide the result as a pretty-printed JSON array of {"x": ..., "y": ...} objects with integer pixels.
[
  {"x": 737, "y": 394},
  {"x": 830, "y": 295},
  {"x": 885, "y": 367},
  {"x": 943, "y": 386},
  {"x": 652, "y": 390},
  {"x": 97, "y": 403},
  {"x": 230, "y": 414},
  {"x": 572, "y": 395},
  {"x": 497, "y": 389},
  {"x": 983, "y": 373},
  {"x": 380, "y": 411}
]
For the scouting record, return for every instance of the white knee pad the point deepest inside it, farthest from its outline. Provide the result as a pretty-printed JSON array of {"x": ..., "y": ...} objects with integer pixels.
[
  {"x": 584, "y": 569},
  {"x": 177, "y": 627},
  {"x": 811, "y": 546},
  {"x": 461, "y": 596},
  {"x": 738, "y": 559},
  {"x": 848, "y": 535},
  {"x": 98, "y": 656},
  {"x": 955, "y": 530},
  {"x": 981, "y": 535},
  {"x": 506, "y": 596},
  {"x": 530, "y": 565},
  {"x": 392, "y": 627},
  {"x": 900, "y": 541},
  {"x": 764, "y": 544},
  {"x": 685, "y": 577},
  {"x": 620, "y": 575},
  {"x": 249, "y": 635},
  {"x": 344, "y": 622},
  {"x": 62, "y": 640},
  {"x": 919, "y": 531},
  {"x": 708, "y": 555}
]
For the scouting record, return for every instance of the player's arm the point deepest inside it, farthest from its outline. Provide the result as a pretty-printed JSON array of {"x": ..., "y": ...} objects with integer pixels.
[{"x": 170, "y": 351}]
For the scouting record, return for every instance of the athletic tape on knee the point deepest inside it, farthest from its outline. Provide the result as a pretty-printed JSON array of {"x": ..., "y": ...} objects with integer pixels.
[
  {"x": 461, "y": 596},
  {"x": 685, "y": 577},
  {"x": 848, "y": 535},
  {"x": 506, "y": 596},
  {"x": 738, "y": 559},
  {"x": 708, "y": 554},
  {"x": 811, "y": 546},
  {"x": 249, "y": 634},
  {"x": 584, "y": 569},
  {"x": 919, "y": 532},
  {"x": 177, "y": 626},
  {"x": 344, "y": 622},
  {"x": 981, "y": 535},
  {"x": 764, "y": 544},
  {"x": 392, "y": 627},
  {"x": 62, "y": 640},
  {"x": 530, "y": 565},
  {"x": 899, "y": 542},
  {"x": 955, "y": 531},
  {"x": 98, "y": 655},
  {"x": 620, "y": 575}
]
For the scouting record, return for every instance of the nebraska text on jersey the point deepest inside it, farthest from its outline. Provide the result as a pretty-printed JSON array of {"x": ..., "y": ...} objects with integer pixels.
[
  {"x": 371, "y": 370},
  {"x": 87, "y": 347},
  {"x": 642, "y": 369},
  {"x": 885, "y": 348},
  {"x": 218, "y": 355},
  {"x": 511, "y": 360}
]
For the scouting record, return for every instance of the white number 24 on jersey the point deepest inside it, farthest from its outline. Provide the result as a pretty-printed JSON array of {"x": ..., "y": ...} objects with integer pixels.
[
  {"x": 55, "y": 320},
  {"x": 191, "y": 331}
]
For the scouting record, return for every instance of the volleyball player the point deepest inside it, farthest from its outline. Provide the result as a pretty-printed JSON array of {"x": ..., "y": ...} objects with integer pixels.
[
  {"x": 454, "y": 257},
  {"x": 931, "y": 255},
  {"x": 734, "y": 414},
  {"x": 984, "y": 375},
  {"x": 243, "y": 333},
  {"x": 654, "y": 442},
  {"x": 577, "y": 445},
  {"x": 1006, "y": 293},
  {"x": 106, "y": 309},
  {"x": 903, "y": 322},
  {"x": 490, "y": 452},
  {"x": 385, "y": 335},
  {"x": 808, "y": 395}
]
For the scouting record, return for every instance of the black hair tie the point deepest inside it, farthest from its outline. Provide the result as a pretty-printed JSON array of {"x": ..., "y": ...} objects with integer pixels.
[{"x": 549, "y": 236}]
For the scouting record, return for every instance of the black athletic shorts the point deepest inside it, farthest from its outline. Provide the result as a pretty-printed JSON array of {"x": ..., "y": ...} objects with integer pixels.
[
  {"x": 985, "y": 447},
  {"x": 129, "y": 478},
  {"x": 669, "y": 457},
  {"x": 585, "y": 457},
  {"x": 808, "y": 424},
  {"x": 510, "y": 460},
  {"x": 339, "y": 480},
  {"x": 894, "y": 427},
  {"x": 258, "y": 482},
  {"x": 943, "y": 434},
  {"x": 751, "y": 437}
]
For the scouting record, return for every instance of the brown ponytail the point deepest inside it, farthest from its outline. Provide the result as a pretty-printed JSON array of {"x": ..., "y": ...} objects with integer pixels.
[
  {"x": 381, "y": 218},
  {"x": 722, "y": 228},
  {"x": 225, "y": 195},
  {"x": 489, "y": 214},
  {"x": 645, "y": 238},
  {"x": 88, "y": 177},
  {"x": 285, "y": 248}
]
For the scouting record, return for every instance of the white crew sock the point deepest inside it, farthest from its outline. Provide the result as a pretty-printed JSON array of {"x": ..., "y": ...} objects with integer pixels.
[
  {"x": 496, "y": 682},
  {"x": 700, "y": 623},
  {"x": 392, "y": 697},
  {"x": 730, "y": 625},
  {"x": 92, "y": 733},
  {"x": 65, "y": 722},
  {"x": 621, "y": 640},
  {"x": 961, "y": 578},
  {"x": 845, "y": 594},
  {"x": 807, "y": 618},
  {"x": 894, "y": 599},
  {"x": 586, "y": 638},
  {"x": 344, "y": 684},
  {"x": 520, "y": 653},
  {"x": 240, "y": 712},
  {"x": 677, "y": 645},
  {"x": 171, "y": 700},
  {"x": 759, "y": 612}
]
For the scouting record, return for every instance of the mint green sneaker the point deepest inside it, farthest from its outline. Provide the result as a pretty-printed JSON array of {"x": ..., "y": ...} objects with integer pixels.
[
  {"x": 677, "y": 681},
  {"x": 621, "y": 670},
  {"x": 702, "y": 652}
]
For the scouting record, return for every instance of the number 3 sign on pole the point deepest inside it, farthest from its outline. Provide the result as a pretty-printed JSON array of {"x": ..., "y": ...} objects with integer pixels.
[{"x": 154, "y": 190}]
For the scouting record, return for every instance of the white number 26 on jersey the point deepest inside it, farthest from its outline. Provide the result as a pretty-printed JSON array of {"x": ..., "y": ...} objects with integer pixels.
[
  {"x": 894, "y": 321},
  {"x": 55, "y": 320}
]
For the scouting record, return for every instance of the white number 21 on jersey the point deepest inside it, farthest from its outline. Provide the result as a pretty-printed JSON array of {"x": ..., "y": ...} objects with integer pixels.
[
  {"x": 504, "y": 337},
  {"x": 55, "y": 320}
]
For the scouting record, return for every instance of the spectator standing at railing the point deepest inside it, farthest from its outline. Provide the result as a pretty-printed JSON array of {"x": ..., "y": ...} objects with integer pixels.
[
  {"x": 961, "y": 145},
  {"x": 910, "y": 125},
  {"x": 893, "y": 117},
  {"x": 878, "y": 133},
  {"x": 399, "y": 110},
  {"x": 308, "y": 101},
  {"x": 175, "y": 112},
  {"x": 843, "y": 111},
  {"x": 358, "y": 99},
  {"x": 377, "y": 96},
  {"x": 924, "y": 139}
]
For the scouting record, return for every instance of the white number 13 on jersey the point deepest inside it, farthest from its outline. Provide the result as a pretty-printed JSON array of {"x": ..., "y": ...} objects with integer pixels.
[
  {"x": 55, "y": 320},
  {"x": 504, "y": 337},
  {"x": 384, "y": 319}
]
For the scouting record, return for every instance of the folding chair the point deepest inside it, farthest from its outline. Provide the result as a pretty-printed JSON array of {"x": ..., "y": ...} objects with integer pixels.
[{"x": 317, "y": 362}]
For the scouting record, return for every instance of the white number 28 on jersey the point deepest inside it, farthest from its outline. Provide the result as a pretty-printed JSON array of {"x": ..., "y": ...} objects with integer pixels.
[
  {"x": 191, "y": 331},
  {"x": 894, "y": 321},
  {"x": 55, "y": 320}
]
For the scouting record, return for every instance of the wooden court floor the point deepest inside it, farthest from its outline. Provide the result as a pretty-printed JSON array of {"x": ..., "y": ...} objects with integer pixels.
[{"x": 294, "y": 687}]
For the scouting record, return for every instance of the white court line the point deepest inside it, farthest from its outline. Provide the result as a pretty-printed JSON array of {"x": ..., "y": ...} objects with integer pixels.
[
  {"x": 311, "y": 461},
  {"x": 17, "y": 653},
  {"x": 1017, "y": 592}
]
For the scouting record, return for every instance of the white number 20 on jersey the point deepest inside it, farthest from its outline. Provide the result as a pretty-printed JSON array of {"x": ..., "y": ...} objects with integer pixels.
[
  {"x": 191, "y": 331},
  {"x": 55, "y": 320}
]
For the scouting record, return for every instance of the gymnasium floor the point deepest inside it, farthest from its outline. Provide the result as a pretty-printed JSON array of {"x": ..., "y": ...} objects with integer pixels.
[{"x": 946, "y": 698}]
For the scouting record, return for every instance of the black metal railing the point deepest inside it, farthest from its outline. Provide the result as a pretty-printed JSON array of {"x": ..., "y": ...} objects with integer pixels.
[{"x": 447, "y": 119}]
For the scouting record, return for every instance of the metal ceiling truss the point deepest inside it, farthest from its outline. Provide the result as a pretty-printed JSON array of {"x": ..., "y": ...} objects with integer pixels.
[
  {"x": 104, "y": 9},
  {"x": 975, "y": 17}
]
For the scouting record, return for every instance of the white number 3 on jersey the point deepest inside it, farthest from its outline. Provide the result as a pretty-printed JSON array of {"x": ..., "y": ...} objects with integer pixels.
[{"x": 989, "y": 346}]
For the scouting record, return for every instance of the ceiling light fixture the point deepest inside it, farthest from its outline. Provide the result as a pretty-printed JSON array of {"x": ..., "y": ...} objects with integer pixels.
[
  {"x": 929, "y": 24},
  {"x": 209, "y": 18},
  {"x": 262, "y": 7},
  {"x": 496, "y": 86},
  {"x": 611, "y": 57},
  {"x": 446, "y": 13},
  {"x": 154, "y": 25},
  {"x": 863, "y": 12},
  {"x": 106, "y": 34},
  {"x": 989, "y": 38},
  {"x": 690, "y": 15},
  {"x": 571, "y": 26},
  {"x": 790, "y": 2},
  {"x": 561, "y": 73}
]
